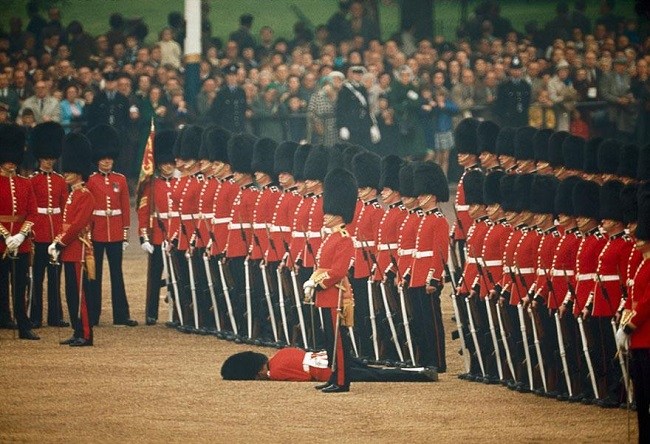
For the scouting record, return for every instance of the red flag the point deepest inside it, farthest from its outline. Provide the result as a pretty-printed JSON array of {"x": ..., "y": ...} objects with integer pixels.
[{"x": 147, "y": 168}]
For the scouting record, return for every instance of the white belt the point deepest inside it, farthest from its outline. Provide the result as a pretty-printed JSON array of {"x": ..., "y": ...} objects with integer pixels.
[
  {"x": 40, "y": 210},
  {"x": 525, "y": 270},
  {"x": 609, "y": 277},
  {"x": 168, "y": 215},
  {"x": 562, "y": 273},
  {"x": 279, "y": 229},
  {"x": 307, "y": 234},
  {"x": 326, "y": 230},
  {"x": 364, "y": 244},
  {"x": 107, "y": 212},
  {"x": 221, "y": 220},
  {"x": 541, "y": 272},
  {"x": 421, "y": 254},
  {"x": 462, "y": 207},
  {"x": 385, "y": 247},
  {"x": 506, "y": 269},
  {"x": 495, "y": 263},
  {"x": 232, "y": 226},
  {"x": 471, "y": 260},
  {"x": 204, "y": 215},
  {"x": 586, "y": 277},
  {"x": 259, "y": 226},
  {"x": 408, "y": 252},
  {"x": 190, "y": 216}
]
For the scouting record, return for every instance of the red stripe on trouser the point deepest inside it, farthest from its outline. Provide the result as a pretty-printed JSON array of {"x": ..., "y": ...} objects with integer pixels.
[
  {"x": 340, "y": 355},
  {"x": 83, "y": 308}
]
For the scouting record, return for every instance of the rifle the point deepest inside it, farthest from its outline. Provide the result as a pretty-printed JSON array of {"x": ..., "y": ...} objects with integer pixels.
[
  {"x": 371, "y": 303},
  {"x": 267, "y": 289},
  {"x": 172, "y": 272},
  {"x": 493, "y": 333},
  {"x": 404, "y": 311},
  {"x": 296, "y": 295},
  {"x": 522, "y": 328},
  {"x": 190, "y": 266},
  {"x": 278, "y": 275},
  {"x": 454, "y": 299}
]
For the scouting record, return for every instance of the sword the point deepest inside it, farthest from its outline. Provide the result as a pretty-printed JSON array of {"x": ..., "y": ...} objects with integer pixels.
[
  {"x": 524, "y": 333},
  {"x": 472, "y": 330},
  {"x": 493, "y": 333},
  {"x": 283, "y": 313},
  {"x": 175, "y": 301},
  {"x": 533, "y": 322},
  {"x": 267, "y": 294},
  {"x": 168, "y": 299},
  {"x": 213, "y": 296},
  {"x": 190, "y": 267},
  {"x": 459, "y": 326},
  {"x": 226, "y": 293},
  {"x": 296, "y": 295}
]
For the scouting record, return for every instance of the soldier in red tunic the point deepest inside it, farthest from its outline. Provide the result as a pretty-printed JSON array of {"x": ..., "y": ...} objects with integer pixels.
[
  {"x": 429, "y": 257},
  {"x": 633, "y": 334},
  {"x": 111, "y": 223},
  {"x": 73, "y": 243},
  {"x": 51, "y": 193},
  {"x": 329, "y": 282},
  {"x": 505, "y": 149},
  {"x": 466, "y": 146},
  {"x": 153, "y": 219},
  {"x": 17, "y": 211},
  {"x": 487, "y": 133}
]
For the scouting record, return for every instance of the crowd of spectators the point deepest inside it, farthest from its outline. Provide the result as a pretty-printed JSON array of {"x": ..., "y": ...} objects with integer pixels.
[{"x": 587, "y": 77}]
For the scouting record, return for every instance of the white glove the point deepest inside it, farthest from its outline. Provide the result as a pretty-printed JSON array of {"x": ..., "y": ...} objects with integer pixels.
[
  {"x": 146, "y": 246},
  {"x": 622, "y": 339},
  {"x": 53, "y": 252},
  {"x": 344, "y": 133},
  {"x": 166, "y": 246},
  {"x": 412, "y": 95},
  {"x": 13, "y": 242},
  {"x": 309, "y": 285},
  {"x": 375, "y": 135},
  {"x": 125, "y": 245}
]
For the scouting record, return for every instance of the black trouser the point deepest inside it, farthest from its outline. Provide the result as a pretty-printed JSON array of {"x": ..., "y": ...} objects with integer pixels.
[
  {"x": 203, "y": 299},
  {"x": 428, "y": 331},
  {"x": 484, "y": 333},
  {"x": 292, "y": 307},
  {"x": 461, "y": 300},
  {"x": 76, "y": 287},
  {"x": 515, "y": 340},
  {"x": 13, "y": 269},
  {"x": 360, "y": 372},
  {"x": 261, "y": 317},
  {"x": 238, "y": 294},
  {"x": 154, "y": 275},
  {"x": 340, "y": 351},
  {"x": 118, "y": 293},
  {"x": 640, "y": 373},
  {"x": 606, "y": 365},
  {"x": 387, "y": 348},
  {"x": 40, "y": 264},
  {"x": 362, "y": 323},
  {"x": 311, "y": 314}
]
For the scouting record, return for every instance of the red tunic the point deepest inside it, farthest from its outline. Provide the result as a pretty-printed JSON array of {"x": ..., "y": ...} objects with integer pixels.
[
  {"x": 639, "y": 301},
  {"x": 51, "y": 192},
  {"x": 185, "y": 195},
  {"x": 148, "y": 217},
  {"x": 283, "y": 215},
  {"x": 407, "y": 238},
  {"x": 224, "y": 197},
  {"x": 365, "y": 234},
  {"x": 633, "y": 263},
  {"x": 463, "y": 221},
  {"x": 306, "y": 230},
  {"x": 388, "y": 236},
  {"x": 545, "y": 254},
  {"x": 564, "y": 265},
  {"x": 112, "y": 213},
  {"x": 240, "y": 229},
  {"x": 492, "y": 253},
  {"x": 525, "y": 263},
  {"x": 509, "y": 257},
  {"x": 335, "y": 255},
  {"x": 265, "y": 204},
  {"x": 205, "y": 211},
  {"x": 474, "y": 246},
  {"x": 586, "y": 264},
  {"x": 431, "y": 249},
  {"x": 293, "y": 364},
  {"x": 612, "y": 269},
  {"x": 17, "y": 208},
  {"x": 77, "y": 216}
]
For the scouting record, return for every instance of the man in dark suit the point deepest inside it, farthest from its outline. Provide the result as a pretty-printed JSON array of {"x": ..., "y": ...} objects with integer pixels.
[
  {"x": 9, "y": 96},
  {"x": 354, "y": 121},
  {"x": 229, "y": 106},
  {"x": 109, "y": 107},
  {"x": 21, "y": 85},
  {"x": 513, "y": 97}
]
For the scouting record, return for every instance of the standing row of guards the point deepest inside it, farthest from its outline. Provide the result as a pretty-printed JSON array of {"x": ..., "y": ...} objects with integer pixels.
[{"x": 75, "y": 217}]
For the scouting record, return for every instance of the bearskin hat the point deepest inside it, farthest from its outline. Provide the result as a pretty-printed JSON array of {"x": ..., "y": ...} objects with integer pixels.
[
  {"x": 340, "y": 194},
  {"x": 240, "y": 152},
  {"x": 465, "y": 137},
  {"x": 283, "y": 160},
  {"x": 473, "y": 187},
  {"x": 77, "y": 155},
  {"x": 214, "y": 144},
  {"x": 492, "y": 188},
  {"x": 629, "y": 205},
  {"x": 627, "y": 162},
  {"x": 428, "y": 178},
  {"x": 191, "y": 142},
  {"x": 564, "y": 196},
  {"x": 643, "y": 171},
  {"x": 542, "y": 194},
  {"x": 335, "y": 158},
  {"x": 524, "y": 143},
  {"x": 609, "y": 151},
  {"x": 590, "y": 155},
  {"x": 507, "y": 192},
  {"x": 390, "y": 166},
  {"x": 406, "y": 188},
  {"x": 12, "y": 144},
  {"x": 573, "y": 149},
  {"x": 610, "y": 201},
  {"x": 523, "y": 187},
  {"x": 486, "y": 137},
  {"x": 643, "y": 226},
  {"x": 316, "y": 164},
  {"x": 366, "y": 167},
  {"x": 299, "y": 160},
  {"x": 243, "y": 366},
  {"x": 105, "y": 143},
  {"x": 586, "y": 199},
  {"x": 163, "y": 146},
  {"x": 263, "y": 155},
  {"x": 505, "y": 143},
  {"x": 555, "y": 152},
  {"x": 47, "y": 140},
  {"x": 348, "y": 154},
  {"x": 540, "y": 144}
]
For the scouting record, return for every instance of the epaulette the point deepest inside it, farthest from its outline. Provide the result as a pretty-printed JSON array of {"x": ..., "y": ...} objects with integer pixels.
[
  {"x": 435, "y": 211},
  {"x": 556, "y": 233},
  {"x": 93, "y": 173},
  {"x": 274, "y": 188},
  {"x": 417, "y": 211},
  {"x": 481, "y": 219},
  {"x": 199, "y": 176},
  {"x": 247, "y": 186},
  {"x": 372, "y": 202}
]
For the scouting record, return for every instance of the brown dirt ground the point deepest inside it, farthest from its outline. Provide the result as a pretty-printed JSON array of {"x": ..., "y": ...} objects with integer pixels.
[{"x": 153, "y": 384}]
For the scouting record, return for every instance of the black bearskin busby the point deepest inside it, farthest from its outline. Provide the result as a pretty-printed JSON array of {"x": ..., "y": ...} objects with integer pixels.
[
  {"x": 610, "y": 201},
  {"x": 240, "y": 153},
  {"x": 299, "y": 160},
  {"x": 163, "y": 147},
  {"x": 105, "y": 142},
  {"x": 590, "y": 155},
  {"x": 573, "y": 149},
  {"x": 47, "y": 140},
  {"x": 77, "y": 155},
  {"x": 586, "y": 197},
  {"x": 473, "y": 187},
  {"x": 629, "y": 205},
  {"x": 643, "y": 225},
  {"x": 263, "y": 155},
  {"x": 555, "y": 152},
  {"x": 507, "y": 192},
  {"x": 340, "y": 194},
  {"x": 390, "y": 166},
  {"x": 505, "y": 143},
  {"x": 542, "y": 194},
  {"x": 486, "y": 137},
  {"x": 243, "y": 366},
  {"x": 643, "y": 170},
  {"x": 428, "y": 178},
  {"x": 12, "y": 144},
  {"x": 523, "y": 187},
  {"x": 283, "y": 160},
  {"x": 366, "y": 167},
  {"x": 524, "y": 143},
  {"x": 316, "y": 164},
  {"x": 627, "y": 161},
  {"x": 214, "y": 144},
  {"x": 406, "y": 188},
  {"x": 465, "y": 136},
  {"x": 191, "y": 142},
  {"x": 540, "y": 144},
  {"x": 349, "y": 151},
  {"x": 609, "y": 151},
  {"x": 564, "y": 196},
  {"x": 492, "y": 188}
]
